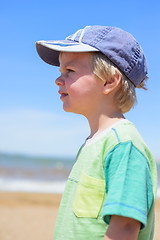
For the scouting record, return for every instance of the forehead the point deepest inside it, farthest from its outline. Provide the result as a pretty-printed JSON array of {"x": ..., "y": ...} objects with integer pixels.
[{"x": 74, "y": 59}]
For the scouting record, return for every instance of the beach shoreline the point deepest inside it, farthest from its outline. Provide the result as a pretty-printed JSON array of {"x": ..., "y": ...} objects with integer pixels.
[{"x": 32, "y": 215}]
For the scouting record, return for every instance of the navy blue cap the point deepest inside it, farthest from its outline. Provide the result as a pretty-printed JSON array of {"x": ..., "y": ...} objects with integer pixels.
[{"x": 119, "y": 46}]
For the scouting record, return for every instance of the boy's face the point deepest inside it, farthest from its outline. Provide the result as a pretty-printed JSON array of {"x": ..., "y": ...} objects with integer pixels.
[{"x": 80, "y": 90}]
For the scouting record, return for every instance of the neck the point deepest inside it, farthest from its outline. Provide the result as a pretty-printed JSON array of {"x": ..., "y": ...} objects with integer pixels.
[{"x": 101, "y": 121}]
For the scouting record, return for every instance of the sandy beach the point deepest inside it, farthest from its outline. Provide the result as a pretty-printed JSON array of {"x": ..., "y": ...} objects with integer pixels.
[{"x": 32, "y": 216}]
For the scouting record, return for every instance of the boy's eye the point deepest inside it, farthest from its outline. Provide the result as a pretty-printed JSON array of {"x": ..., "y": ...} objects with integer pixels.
[{"x": 69, "y": 70}]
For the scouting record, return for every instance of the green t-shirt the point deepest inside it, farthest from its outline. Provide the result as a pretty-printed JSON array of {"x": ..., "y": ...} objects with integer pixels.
[{"x": 114, "y": 174}]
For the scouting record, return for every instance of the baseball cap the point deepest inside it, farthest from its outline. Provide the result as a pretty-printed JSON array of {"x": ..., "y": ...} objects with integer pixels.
[{"x": 119, "y": 46}]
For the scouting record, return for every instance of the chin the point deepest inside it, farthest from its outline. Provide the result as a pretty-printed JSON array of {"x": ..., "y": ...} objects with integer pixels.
[
  {"x": 66, "y": 109},
  {"x": 69, "y": 110}
]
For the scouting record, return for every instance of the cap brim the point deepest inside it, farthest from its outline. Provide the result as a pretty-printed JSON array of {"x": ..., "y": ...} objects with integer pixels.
[{"x": 49, "y": 50}]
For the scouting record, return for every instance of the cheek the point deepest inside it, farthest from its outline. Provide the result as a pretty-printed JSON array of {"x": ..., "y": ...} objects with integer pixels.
[
  {"x": 83, "y": 86},
  {"x": 74, "y": 87}
]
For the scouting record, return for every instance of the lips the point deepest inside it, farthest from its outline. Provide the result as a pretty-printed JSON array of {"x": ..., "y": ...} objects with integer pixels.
[{"x": 63, "y": 94}]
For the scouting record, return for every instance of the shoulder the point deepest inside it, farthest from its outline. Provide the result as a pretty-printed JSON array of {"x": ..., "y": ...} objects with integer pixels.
[
  {"x": 127, "y": 131},
  {"x": 124, "y": 134}
]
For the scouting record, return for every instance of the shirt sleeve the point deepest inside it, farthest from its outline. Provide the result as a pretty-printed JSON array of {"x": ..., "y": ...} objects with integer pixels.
[{"x": 128, "y": 184}]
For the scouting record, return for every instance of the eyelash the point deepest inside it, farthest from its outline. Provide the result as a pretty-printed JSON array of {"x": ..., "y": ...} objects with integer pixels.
[{"x": 69, "y": 70}]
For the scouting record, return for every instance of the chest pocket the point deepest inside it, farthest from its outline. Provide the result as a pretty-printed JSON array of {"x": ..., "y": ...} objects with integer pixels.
[{"x": 89, "y": 196}]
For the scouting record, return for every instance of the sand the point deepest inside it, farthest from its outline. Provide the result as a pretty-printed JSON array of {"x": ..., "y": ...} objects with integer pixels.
[{"x": 32, "y": 216}]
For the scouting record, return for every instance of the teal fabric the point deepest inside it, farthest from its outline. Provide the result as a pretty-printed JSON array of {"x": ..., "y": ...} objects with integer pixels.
[{"x": 128, "y": 183}]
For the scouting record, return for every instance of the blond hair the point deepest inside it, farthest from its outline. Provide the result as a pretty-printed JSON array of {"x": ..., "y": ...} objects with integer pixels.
[{"x": 125, "y": 97}]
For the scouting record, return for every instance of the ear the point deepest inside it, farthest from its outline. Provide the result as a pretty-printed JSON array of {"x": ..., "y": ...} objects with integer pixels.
[{"x": 112, "y": 83}]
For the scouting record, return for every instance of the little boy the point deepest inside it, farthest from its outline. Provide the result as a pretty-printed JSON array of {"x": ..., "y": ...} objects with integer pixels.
[{"x": 111, "y": 190}]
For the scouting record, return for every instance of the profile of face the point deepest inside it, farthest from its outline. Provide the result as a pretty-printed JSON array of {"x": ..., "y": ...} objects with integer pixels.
[{"x": 81, "y": 91}]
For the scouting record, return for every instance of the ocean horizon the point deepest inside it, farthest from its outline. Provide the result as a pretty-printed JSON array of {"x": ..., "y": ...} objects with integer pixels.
[{"x": 22, "y": 173}]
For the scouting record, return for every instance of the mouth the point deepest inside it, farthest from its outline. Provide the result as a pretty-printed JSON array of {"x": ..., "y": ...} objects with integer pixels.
[{"x": 63, "y": 94}]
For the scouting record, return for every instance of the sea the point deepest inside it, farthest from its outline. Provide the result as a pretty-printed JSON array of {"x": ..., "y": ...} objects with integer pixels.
[{"x": 25, "y": 173}]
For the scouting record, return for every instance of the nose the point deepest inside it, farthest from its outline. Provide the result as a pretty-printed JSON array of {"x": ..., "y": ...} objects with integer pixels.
[{"x": 59, "y": 81}]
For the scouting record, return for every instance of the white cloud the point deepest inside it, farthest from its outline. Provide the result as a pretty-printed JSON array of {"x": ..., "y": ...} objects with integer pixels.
[{"x": 41, "y": 133}]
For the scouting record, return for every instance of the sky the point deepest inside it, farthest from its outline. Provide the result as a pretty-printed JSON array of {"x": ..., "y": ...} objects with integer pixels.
[{"x": 32, "y": 120}]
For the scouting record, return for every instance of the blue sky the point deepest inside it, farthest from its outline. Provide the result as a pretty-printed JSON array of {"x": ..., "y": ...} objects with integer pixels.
[{"x": 31, "y": 117}]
